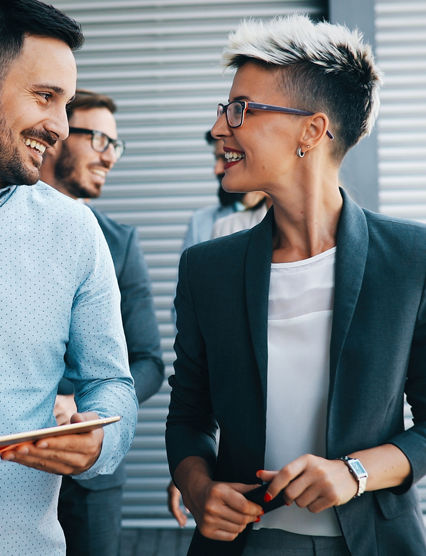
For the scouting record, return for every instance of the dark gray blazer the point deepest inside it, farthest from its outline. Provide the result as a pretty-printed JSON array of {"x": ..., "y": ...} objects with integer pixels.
[
  {"x": 377, "y": 352},
  {"x": 139, "y": 322}
]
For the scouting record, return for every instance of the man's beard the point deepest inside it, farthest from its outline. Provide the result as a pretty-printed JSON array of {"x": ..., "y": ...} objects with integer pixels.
[
  {"x": 64, "y": 166},
  {"x": 12, "y": 169}
]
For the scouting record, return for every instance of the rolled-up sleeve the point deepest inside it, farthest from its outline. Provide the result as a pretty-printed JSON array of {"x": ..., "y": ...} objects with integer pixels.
[{"x": 96, "y": 355}]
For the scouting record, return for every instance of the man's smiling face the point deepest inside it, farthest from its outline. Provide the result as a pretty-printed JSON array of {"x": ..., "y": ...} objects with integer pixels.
[
  {"x": 79, "y": 170},
  {"x": 34, "y": 93}
]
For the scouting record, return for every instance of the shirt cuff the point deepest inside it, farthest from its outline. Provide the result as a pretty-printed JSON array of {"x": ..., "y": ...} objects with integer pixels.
[{"x": 110, "y": 455}]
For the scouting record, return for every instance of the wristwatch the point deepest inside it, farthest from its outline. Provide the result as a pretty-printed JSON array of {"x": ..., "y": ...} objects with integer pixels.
[{"x": 358, "y": 471}]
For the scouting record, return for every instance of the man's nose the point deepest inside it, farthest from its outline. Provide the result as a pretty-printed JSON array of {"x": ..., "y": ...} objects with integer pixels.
[
  {"x": 57, "y": 122},
  {"x": 109, "y": 157}
]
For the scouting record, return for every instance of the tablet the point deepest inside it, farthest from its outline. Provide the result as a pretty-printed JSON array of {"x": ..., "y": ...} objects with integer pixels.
[{"x": 31, "y": 436}]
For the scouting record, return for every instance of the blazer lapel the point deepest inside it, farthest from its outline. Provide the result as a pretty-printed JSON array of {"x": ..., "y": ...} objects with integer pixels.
[
  {"x": 351, "y": 256},
  {"x": 257, "y": 275}
]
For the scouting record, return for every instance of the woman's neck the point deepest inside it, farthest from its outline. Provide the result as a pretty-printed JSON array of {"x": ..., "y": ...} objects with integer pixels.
[{"x": 306, "y": 220}]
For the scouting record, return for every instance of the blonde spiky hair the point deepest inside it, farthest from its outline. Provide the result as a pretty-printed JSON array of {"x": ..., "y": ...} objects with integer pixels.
[{"x": 328, "y": 67}]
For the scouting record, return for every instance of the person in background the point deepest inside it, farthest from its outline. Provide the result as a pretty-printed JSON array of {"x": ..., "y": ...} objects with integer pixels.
[
  {"x": 201, "y": 224},
  {"x": 60, "y": 308},
  {"x": 242, "y": 220},
  {"x": 298, "y": 338},
  {"x": 90, "y": 511}
]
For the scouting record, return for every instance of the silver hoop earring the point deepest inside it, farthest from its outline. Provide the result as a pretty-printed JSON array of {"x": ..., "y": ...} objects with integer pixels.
[{"x": 299, "y": 152}]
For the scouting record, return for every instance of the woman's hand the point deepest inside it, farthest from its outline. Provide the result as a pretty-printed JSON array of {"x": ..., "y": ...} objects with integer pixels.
[
  {"x": 219, "y": 509},
  {"x": 312, "y": 482}
]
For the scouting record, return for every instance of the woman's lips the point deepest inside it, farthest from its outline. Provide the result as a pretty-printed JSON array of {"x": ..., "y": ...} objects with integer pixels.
[
  {"x": 229, "y": 164},
  {"x": 232, "y": 157}
]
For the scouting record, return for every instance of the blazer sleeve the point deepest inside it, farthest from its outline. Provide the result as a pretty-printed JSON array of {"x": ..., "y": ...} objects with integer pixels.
[
  {"x": 413, "y": 441},
  {"x": 191, "y": 427},
  {"x": 139, "y": 322}
]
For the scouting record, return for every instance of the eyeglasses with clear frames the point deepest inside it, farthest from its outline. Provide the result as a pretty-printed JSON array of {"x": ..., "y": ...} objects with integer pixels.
[
  {"x": 236, "y": 110},
  {"x": 101, "y": 141}
]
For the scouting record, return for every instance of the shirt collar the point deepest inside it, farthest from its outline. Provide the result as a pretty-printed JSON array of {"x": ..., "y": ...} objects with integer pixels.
[{"x": 5, "y": 193}]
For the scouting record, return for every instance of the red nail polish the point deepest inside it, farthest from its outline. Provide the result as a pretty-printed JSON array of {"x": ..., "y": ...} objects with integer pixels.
[
  {"x": 257, "y": 519},
  {"x": 258, "y": 472},
  {"x": 267, "y": 497}
]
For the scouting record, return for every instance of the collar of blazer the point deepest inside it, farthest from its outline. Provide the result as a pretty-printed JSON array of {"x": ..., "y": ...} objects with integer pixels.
[{"x": 351, "y": 255}]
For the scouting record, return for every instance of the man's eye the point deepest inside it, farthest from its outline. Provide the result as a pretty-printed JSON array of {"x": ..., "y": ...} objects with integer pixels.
[{"x": 45, "y": 96}]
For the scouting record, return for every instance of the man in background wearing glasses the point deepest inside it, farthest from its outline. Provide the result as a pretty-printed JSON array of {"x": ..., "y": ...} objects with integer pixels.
[{"x": 90, "y": 511}]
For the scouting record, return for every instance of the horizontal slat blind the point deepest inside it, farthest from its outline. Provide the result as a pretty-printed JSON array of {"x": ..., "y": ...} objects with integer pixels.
[
  {"x": 401, "y": 54},
  {"x": 160, "y": 60}
]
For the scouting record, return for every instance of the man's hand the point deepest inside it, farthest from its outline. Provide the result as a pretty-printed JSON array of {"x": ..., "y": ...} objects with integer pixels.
[
  {"x": 173, "y": 503},
  {"x": 219, "y": 509},
  {"x": 64, "y": 409},
  {"x": 312, "y": 482},
  {"x": 62, "y": 455}
]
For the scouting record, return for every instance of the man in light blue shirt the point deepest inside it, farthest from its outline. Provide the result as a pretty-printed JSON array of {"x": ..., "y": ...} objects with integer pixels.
[{"x": 60, "y": 310}]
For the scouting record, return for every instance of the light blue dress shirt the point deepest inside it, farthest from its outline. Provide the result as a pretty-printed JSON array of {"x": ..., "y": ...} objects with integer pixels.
[{"x": 59, "y": 315}]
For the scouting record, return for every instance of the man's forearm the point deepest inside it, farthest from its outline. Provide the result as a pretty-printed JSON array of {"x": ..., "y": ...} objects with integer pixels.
[{"x": 148, "y": 374}]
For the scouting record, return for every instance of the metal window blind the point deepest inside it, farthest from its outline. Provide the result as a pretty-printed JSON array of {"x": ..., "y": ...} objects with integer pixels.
[{"x": 401, "y": 54}]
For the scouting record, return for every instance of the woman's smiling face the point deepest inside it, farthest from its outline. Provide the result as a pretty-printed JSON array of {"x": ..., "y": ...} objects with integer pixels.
[{"x": 262, "y": 152}]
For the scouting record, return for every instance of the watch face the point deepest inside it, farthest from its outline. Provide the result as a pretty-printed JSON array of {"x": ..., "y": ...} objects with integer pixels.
[{"x": 357, "y": 467}]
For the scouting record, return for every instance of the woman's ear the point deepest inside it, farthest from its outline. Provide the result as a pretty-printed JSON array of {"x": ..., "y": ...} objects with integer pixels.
[{"x": 315, "y": 129}]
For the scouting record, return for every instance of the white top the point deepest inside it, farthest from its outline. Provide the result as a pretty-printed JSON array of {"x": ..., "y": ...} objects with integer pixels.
[
  {"x": 238, "y": 221},
  {"x": 299, "y": 329}
]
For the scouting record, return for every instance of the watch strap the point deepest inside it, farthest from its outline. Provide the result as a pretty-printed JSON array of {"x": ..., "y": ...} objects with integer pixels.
[{"x": 358, "y": 471}]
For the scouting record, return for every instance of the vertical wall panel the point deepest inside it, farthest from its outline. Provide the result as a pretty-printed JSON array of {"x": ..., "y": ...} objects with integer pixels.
[{"x": 160, "y": 60}]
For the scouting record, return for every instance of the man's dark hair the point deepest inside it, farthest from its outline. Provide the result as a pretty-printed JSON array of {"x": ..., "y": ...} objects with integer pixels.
[
  {"x": 19, "y": 18},
  {"x": 209, "y": 138},
  {"x": 86, "y": 100}
]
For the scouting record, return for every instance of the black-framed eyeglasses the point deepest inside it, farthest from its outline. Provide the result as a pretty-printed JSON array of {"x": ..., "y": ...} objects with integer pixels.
[
  {"x": 101, "y": 141},
  {"x": 236, "y": 110}
]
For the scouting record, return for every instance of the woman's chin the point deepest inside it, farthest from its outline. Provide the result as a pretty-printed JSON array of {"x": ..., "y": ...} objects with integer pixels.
[{"x": 232, "y": 186}]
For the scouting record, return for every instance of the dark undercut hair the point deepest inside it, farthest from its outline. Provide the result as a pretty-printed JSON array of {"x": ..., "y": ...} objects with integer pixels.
[
  {"x": 86, "y": 100},
  {"x": 19, "y": 18}
]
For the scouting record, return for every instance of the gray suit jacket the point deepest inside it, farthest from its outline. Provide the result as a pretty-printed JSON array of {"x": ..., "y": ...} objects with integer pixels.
[
  {"x": 377, "y": 352},
  {"x": 139, "y": 322}
]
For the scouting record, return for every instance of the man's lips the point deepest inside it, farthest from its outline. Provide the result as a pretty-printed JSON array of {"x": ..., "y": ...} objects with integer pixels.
[
  {"x": 99, "y": 172},
  {"x": 35, "y": 145}
]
